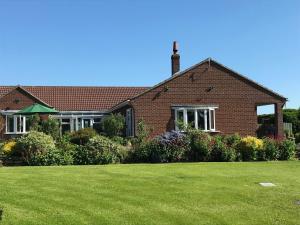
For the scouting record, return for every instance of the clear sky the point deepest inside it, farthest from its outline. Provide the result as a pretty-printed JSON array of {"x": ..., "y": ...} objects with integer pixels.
[{"x": 129, "y": 43}]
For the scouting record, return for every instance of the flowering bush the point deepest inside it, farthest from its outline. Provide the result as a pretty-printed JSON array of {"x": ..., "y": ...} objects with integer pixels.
[
  {"x": 8, "y": 147},
  {"x": 168, "y": 147},
  {"x": 174, "y": 145},
  {"x": 248, "y": 147}
]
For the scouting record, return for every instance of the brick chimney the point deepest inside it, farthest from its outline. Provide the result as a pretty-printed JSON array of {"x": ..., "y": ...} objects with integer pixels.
[{"x": 175, "y": 59}]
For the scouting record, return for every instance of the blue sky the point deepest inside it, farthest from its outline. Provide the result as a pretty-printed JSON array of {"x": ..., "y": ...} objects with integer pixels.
[{"x": 128, "y": 43}]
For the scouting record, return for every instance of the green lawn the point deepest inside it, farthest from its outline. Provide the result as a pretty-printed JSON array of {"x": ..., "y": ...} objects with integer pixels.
[{"x": 187, "y": 193}]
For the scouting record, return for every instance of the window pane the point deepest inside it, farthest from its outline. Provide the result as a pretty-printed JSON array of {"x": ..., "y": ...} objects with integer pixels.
[
  {"x": 208, "y": 119},
  {"x": 191, "y": 118},
  {"x": 10, "y": 124},
  {"x": 212, "y": 119},
  {"x": 19, "y": 124},
  {"x": 180, "y": 116},
  {"x": 97, "y": 120},
  {"x": 79, "y": 126},
  {"x": 65, "y": 120},
  {"x": 27, "y": 124},
  {"x": 86, "y": 123},
  {"x": 97, "y": 125},
  {"x": 201, "y": 120}
]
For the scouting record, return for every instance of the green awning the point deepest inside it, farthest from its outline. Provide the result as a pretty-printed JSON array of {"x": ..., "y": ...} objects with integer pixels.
[{"x": 37, "y": 108}]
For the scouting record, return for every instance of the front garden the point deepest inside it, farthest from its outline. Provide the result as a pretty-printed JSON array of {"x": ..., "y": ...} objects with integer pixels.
[{"x": 44, "y": 145}]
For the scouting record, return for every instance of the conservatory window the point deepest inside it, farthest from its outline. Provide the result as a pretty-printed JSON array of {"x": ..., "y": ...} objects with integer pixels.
[
  {"x": 202, "y": 118},
  {"x": 65, "y": 125},
  {"x": 97, "y": 124}
]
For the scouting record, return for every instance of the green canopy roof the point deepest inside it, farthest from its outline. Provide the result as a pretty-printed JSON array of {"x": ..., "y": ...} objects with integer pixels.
[{"x": 37, "y": 108}]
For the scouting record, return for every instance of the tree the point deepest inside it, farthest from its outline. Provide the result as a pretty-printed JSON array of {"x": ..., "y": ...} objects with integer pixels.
[
  {"x": 50, "y": 127},
  {"x": 113, "y": 125}
]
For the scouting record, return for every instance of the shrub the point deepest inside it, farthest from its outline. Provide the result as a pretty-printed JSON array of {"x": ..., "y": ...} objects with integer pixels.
[
  {"x": 297, "y": 137},
  {"x": 99, "y": 150},
  {"x": 174, "y": 146},
  {"x": 8, "y": 147},
  {"x": 248, "y": 147},
  {"x": 298, "y": 151},
  {"x": 34, "y": 144},
  {"x": 141, "y": 153},
  {"x": 119, "y": 140},
  {"x": 269, "y": 150},
  {"x": 1, "y": 147},
  {"x": 200, "y": 145},
  {"x": 232, "y": 140},
  {"x": 221, "y": 152},
  {"x": 51, "y": 127},
  {"x": 113, "y": 125},
  {"x": 143, "y": 132},
  {"x": 81, "y": 137},
  {"x": 54, "y": 157},
  {"x": 168, "y": 147},
  {"x": 287, "y": 149}
]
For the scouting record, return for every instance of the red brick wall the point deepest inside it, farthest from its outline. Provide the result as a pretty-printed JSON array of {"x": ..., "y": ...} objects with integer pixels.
[
  {"x": 15, "y": 100},
  {"x": 237, "y": 100}
]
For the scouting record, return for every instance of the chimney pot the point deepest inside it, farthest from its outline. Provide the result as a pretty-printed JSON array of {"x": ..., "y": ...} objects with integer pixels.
[{"x": 175, "y": 59}]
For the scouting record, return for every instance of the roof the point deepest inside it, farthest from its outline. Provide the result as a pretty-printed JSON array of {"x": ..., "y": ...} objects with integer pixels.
[
  {"x": 77, "y": 98},
  {"x": 208, "y": 60}
]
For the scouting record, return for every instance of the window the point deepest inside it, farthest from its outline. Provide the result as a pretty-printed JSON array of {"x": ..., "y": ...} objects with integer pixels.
[
  {"x": 212, "y": 119},
  {"x": 10, "y": 124},
  {"x": 86, "y": 123},
  {"x": 65, "y": 125},
  {"x": 16, "y": 124},
  {"x": 97, "y": 124},
  {"x": 202, "y": 118},
  {"x": 191, "y": 118}
]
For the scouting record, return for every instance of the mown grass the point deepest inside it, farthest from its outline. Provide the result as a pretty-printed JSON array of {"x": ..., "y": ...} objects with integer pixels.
[{"x": 187, "y": 193}]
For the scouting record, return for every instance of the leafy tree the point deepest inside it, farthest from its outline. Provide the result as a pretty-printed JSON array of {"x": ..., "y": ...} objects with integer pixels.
[
  {"x": 50, "y": 127},
  {"x": 113, "y": 125}
]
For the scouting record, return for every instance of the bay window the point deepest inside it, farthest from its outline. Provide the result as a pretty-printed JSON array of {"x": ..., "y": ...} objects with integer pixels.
[{"x": 202, "y": 118}]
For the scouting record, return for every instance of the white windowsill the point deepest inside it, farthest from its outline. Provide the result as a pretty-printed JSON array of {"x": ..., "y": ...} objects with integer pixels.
[{"x": 15, "y": 132}]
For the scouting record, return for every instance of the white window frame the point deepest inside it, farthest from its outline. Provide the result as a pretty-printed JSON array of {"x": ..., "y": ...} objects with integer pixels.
[
  {"x": 207, "y": 110},
  {"x": 15, "y": 117},
  {"x": 74, "y": 120}
]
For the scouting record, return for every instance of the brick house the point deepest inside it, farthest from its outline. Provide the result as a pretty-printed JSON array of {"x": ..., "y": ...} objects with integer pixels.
[{"x": 208, "y": 96}]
